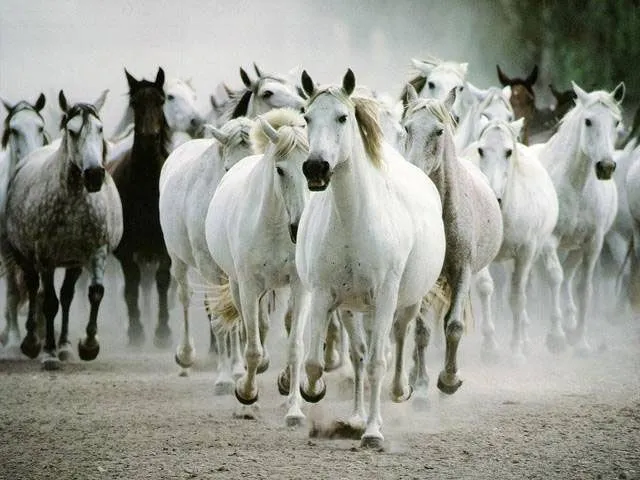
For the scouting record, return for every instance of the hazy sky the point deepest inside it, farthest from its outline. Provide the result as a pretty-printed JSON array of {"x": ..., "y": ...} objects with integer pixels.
[{"x": 82, "y": 46}]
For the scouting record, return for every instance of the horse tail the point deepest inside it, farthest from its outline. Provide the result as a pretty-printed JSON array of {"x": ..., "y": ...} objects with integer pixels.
[
  {"x": 218, "y": 303},
  {"x": 439, "y": 299}
]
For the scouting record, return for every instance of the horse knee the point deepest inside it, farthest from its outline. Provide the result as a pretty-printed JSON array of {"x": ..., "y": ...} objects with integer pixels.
[
  {"x": 422, "y": 333},
  {"x": 485, "y": 286}
]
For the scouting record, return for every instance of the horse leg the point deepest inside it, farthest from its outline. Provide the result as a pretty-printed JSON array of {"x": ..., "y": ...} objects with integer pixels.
[
  {"x": 556, "y": 340},
  {"x": 50, "y": 307},
  {"x": 235, "y": 342},
  {"x": 485, "y": 288},
  {"x": 13, "y": 295},
  {"x": 89, "y": 347},
  {"x": 313, "y": 389},
  {"x": 401, "y": 390},
  {"x": 332, "y": 360},
  {"x": 358, "y": 351},
  {"x": 250, "y": 298},
  {"x": 569, "y": 267},
  {"x": 162, "y": 338},
  {"x": 131, "y": 272},
  {"x": 518, "y": 302},
  {"x": 263, "y": 328},
  {"x": 66, "y": 296},
  {"x": 294, "y": 416},
  {"x": 186, "y": 351},
  {"x": 31, "y": 344},
  {"x": 383, "y": 320},
  {"x": 448, "y": 380},
  {"x": 577, "y": 337},
  {"x": 418, "y": 378}
]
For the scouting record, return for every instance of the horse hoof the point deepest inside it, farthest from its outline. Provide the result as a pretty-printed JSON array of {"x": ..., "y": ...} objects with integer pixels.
[
  {"x": 245, "y": 401},
  {"x": 184, "y": 361},
  {"x": 264, "y": 365},
  {"x": 65, "y": 353},
  {"x": 162, "y": 338},
  {"x": 314, "y": 398},
  {"x": 372, "y": 442},
  {"x": 31, "y": 346},
  {"x": 284, "y": 382},
  {"x": 88, "y": 349},
  {"x": 449, "y": 388},
  {"x": 136, "y": 336},
  {"x": 404, "y": 397},
  {"x": 294, "y": 420},
  {"x": 50, "y": 362},
  {"x": 556, "y": 343}
]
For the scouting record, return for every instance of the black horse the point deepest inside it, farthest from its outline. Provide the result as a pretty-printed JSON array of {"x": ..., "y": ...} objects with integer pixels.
[{"x": 136, "y": 174}]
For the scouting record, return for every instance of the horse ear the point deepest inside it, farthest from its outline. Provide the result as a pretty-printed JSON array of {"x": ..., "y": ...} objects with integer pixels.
[
  {"x": 268, "y": 130},
  {"x": 504, "y": 80},
  {"x": 580, "y": 93},
  {"x": 412, "y": 95},
  {"x": 349, "y": 82},
  {"x": 99, "y": 103},
  {"x": 159, "y": 78},
  {"x": 451, "y": 99},
  {"x": 465, "y": 68},
  {"x": 40, "y": 102},
  {"x": 214, "y": 102},
  {"x": 618, "y": 92},
  {"x": 516, "y": 126},
  {"x": 245, "y": 78},
  {"x": 6, "y": 105},
  {"x": 217, "y": 133},
  {"x": 257, "y": 70},
  {"x": 422, "y": 66},
  {"x": 62, "y": 100},
  {"x": 531, "y": 79},
  {"x": 307, "y": 84},
  {"x": 478, "y": 94},
  {"x": 131, "y": 81}
]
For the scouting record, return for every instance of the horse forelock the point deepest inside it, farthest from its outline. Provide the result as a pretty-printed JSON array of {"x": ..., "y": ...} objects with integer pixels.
[
  {"x": 494, "y": 94},
  {"x": 291, "y": 128},
  {"x": 366, "y": 113},
  {"x": 435, "y": 108}
]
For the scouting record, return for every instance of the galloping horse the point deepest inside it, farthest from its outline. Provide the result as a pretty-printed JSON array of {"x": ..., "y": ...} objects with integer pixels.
[
  {"x": 371, "y": 239},
  {"x": 136, "y": 174},
  {"x": 62, "y": 211}
]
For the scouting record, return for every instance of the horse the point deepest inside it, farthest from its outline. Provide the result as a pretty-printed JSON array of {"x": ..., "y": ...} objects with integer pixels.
[
  {"x": 565, "y": 100},
  {"x": 529, "y": 207},
  {"x": 372, "y": 241},
  {"x": 62, "y": 210},
  {"x": 266, "y": 92},
  {"x": 472, "y": 222},
  {"x": 490, "y": 104},
  {"x": 136, "y": 173},
  {"x": 631, "y": 206},
  {"x": 440, "y": 77},
  {"x": 188, "y": 181},
  {"x": 251, "y": 230},
  {"x": 23, "y": 132},
  {"x": 580, "y": 160}
]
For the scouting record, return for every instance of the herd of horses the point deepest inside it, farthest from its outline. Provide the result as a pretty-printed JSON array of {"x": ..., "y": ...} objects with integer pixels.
[{"x": 327, "y": 206}]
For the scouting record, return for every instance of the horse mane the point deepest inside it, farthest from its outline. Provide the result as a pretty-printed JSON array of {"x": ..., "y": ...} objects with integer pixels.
[
  {"x": 291, "y": 128},
  {"x": 435, "y": 108},
  {"x": 237, "y": 131}
]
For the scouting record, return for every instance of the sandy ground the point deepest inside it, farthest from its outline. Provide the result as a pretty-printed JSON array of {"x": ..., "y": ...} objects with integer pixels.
[{"x": 129, "y": 415}]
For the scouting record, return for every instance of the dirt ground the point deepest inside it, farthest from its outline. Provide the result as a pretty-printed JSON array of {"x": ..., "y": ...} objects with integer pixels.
[{"x": 128, "y": 415}]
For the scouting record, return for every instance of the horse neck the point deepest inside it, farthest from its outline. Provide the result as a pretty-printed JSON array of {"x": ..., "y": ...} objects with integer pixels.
[
  {"x": 464, "y": 132},
  {"x": 150, "y": 151},
  {"x": 271, "y": 209},
  {"x": 446, "y": 174},
  {"x": 564, "y": 159}
]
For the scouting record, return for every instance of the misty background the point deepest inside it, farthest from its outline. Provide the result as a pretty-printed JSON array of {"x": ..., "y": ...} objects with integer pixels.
[{"x": 82, "y": 46}]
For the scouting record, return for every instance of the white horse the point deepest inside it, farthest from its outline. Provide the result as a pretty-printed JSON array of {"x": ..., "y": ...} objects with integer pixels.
[
  {"x": 529, "y": 207},
  {"x": 632, "y": 207},
  {"x": 23, "y": 132},
  {"x": 62, "y": 210},
  {"x": 579, "y": 159},
  {"x": 251, "y": 229},
  {"x": 490, "y": 104},
  {"x": 372, "y": 242},
  {"x": 472, "y": 220},
  {"x": 188, "y": 181}
]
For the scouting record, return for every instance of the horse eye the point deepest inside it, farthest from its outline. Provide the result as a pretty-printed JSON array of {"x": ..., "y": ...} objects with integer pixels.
[
  {"x": 280, "y": 171},
  {"x": 307, "y": 119},
  {"x": 439, "y": 131},
  {"x": 342, "y": 118},
  {"x": 508, "y": 153},
  {"x": 617, "y": 123},
  {"x": 267, "y": 94},
  {"x": 587, "y": 122},
  {"x": 170, "y": 97},
  {"x": 460, "y": 89},
  {"x": 100, "y": 129},
  {"x": 481, "y": 152},
  {"x": 431, "y": 85},
  {"x": 40, "y": 129},
  {"x": 13, "y": 131}
]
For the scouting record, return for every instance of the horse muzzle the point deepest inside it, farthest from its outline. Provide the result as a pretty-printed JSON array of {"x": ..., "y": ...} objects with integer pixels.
[
  {"x": 605, "y": 169},
  {"x": 318, "y": 174},
  {"x": 93, "y": 179}
]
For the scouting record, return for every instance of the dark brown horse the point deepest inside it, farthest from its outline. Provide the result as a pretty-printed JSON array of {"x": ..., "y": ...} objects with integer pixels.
[{"x": 136, "y": 174}]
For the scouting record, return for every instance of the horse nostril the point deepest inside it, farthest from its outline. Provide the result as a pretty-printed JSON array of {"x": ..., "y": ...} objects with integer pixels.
[
  {"x": 293, "y": 232},
  {"x": 500, "y": 202}
]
